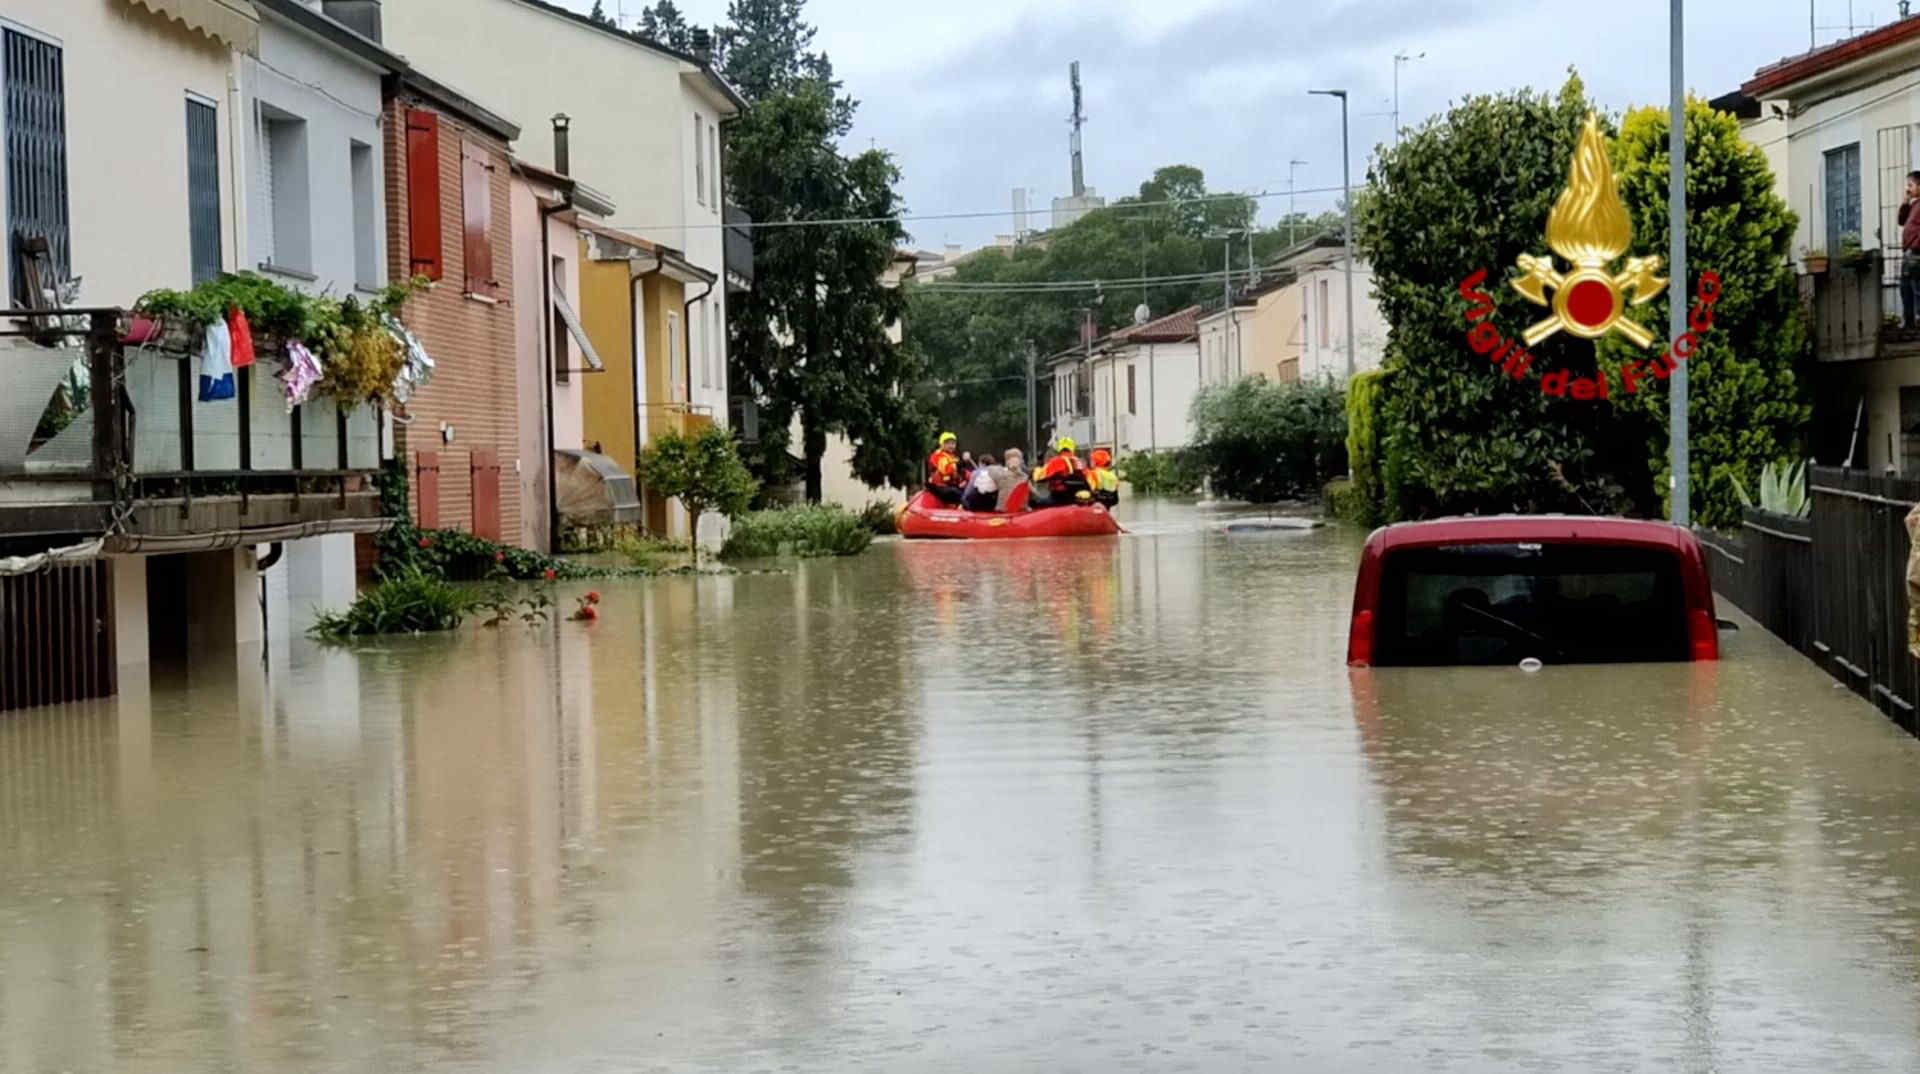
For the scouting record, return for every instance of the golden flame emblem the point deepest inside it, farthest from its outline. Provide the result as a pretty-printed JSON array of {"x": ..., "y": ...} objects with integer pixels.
[{"x": 1589, "y": 227}]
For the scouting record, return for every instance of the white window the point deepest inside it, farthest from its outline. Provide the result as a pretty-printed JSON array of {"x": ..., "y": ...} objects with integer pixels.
[
  {"x": 283, "y": 166},
  {"x": 366, "y": 259},
  {"x": 1323, "y": 313},
  {"x": 713, "y": 155},
  {"x": 719, "y": 349},
  {"x": 706, "y": 355},
  {"x": 699, "y": 160}
]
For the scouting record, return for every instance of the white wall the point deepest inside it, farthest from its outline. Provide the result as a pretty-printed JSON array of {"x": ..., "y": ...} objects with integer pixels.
[
  {"x": 1167, "y": 376},
  {"x": 1328, "y": 359},
  {"x": 128, "y": 74},
  {"x": 632, "y": 110}
]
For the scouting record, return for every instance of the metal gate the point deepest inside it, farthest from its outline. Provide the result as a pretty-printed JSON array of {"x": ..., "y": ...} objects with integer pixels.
[
  {"x": 56, "y": 636},
  {"x": 1895, "y": 145},
  {"x": 36, "y": 158}
]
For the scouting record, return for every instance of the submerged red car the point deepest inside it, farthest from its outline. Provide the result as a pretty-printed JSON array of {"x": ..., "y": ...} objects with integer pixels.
[{"x": 1561, "y": 589}]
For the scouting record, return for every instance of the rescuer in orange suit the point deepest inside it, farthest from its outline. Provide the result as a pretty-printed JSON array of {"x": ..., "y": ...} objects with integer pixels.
[
  {"x": 943, "y": 471},
  {"x": 1064, "y": 476},
  {"x": 1101, "y": 478}
]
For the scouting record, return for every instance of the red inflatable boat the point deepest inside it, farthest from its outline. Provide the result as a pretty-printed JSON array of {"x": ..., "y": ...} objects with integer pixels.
[{"x": 925, "y": 517}]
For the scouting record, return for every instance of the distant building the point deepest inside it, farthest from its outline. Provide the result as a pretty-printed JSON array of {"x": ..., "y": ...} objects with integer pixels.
[
  {"x": 1132, "y": 389},
  {"x": 1067, "y": 210}
]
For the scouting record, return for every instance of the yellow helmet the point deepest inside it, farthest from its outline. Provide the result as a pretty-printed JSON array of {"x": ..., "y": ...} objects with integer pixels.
[
  {"x": 944, "y": 437},
  {"x": 1065, "y": 444}
]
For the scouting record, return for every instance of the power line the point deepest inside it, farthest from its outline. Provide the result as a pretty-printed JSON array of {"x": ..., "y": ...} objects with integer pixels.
[
  {"x": 973, "y": 287},
  {"x": 854, "y": 220}
]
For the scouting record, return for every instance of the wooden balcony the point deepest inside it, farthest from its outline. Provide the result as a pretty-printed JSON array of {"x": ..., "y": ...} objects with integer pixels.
[
  {"x": 138, "y": 460},
  {"x": 1850, "y": 305}
]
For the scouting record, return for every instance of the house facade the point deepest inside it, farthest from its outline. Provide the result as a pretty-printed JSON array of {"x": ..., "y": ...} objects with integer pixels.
[
  {"x": 1841, "y": 127},
  {"x": 646, "y": 121},
  {"x": 1132, "y": 390}
]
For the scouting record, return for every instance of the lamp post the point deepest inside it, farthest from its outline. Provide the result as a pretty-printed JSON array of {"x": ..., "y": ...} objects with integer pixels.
[
  {"x": 1346, "y": 186},
  {"x": 1292, "y": 164},
  {"x": 1398, "y": 59},
  {"x": 1226, "y": 290},
  {"x": 1677, "y": 261}
]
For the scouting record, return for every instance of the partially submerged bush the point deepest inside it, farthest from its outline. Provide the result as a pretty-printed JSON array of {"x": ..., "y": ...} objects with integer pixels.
[
  {"x": 408, "y": 602},
  {"x": 1173, "y": 472},
  {"x": 881, "y": 518},
  {"x": 815, "y": 530}
]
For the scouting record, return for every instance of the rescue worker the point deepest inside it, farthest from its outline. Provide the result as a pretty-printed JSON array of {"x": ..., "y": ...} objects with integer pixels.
[
  {"x": 1104, "y": 483},
  {"x": 943, "y": 471},
  {"x": 1064, "y": 476}
]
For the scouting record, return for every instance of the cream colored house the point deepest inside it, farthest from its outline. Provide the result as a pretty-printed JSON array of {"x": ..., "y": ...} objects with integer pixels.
[
  {"x": 646, "y": 123},
  {"x": 1134, "y": 390},
  {"x": 1841, "y": 127}
]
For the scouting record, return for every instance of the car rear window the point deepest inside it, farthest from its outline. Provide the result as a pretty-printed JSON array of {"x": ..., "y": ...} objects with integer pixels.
[{"x": 1502, "y": 603}]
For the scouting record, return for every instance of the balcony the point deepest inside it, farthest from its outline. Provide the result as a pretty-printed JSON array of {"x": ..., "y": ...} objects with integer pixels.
[
  {"x": 738, "y": 249},
  {"x": 148, "y": 468},
  {"x": 1851, "y": 303}
]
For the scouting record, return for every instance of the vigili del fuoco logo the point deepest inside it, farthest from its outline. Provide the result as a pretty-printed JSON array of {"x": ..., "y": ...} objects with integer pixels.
[{"x": 1588, "y": 228}]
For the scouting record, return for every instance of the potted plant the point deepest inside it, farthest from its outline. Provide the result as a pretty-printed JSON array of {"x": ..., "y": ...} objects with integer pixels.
[
  {"x": 1815, "y": 259},
  {"x": 1851, "y": 255}
]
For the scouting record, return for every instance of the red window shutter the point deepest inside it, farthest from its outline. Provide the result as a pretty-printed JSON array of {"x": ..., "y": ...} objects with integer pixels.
[
  {"x": 423, "y": 193},
  {"x": 426, "y": 487},
  {"x": 476, "y": 181},
  {"x": 486, "y": 493}
]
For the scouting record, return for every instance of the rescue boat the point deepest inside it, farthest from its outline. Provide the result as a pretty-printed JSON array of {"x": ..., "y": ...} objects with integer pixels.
[{"x": 924, "y": 517}]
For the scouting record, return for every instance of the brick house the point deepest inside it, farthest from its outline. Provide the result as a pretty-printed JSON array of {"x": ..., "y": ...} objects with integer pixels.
[{"x": 448, "y": 180}]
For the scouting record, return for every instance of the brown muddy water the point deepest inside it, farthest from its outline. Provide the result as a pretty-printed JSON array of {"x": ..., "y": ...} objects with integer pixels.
[{"x": 1045, "y": 806}]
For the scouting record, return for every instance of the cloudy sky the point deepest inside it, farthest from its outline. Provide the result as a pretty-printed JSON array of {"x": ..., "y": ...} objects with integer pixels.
[{"x": 972, "y": 96}]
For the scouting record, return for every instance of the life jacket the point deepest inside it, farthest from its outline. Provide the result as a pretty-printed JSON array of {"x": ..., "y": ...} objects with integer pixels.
[
  {"x": 943, "y": 468},
  {"x": 1103, "y": 479},
  {"x": 1066, "y": 473}
]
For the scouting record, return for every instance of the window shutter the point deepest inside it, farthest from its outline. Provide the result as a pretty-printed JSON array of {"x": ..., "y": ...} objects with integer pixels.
[
  {"x": 423, "y": 194},
  {"x": 476, "y": 193}
]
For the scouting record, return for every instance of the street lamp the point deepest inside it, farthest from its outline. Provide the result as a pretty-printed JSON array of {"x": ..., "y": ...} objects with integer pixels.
[
  {"x": 1226, "y": 284},
  {"x": 1292, "y": 164},
  {"x": 1677, "y": 262},
  {"x": 1398, "y": 59},
  {"x": 1346, "y": 186}
]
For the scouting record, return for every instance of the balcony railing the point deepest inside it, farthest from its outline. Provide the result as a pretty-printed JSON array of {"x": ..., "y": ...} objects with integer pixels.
[
  {"x": 135, "y": 455},
  {"x": 1856, "y": 308},
  {"x": 738, "y": 249}
]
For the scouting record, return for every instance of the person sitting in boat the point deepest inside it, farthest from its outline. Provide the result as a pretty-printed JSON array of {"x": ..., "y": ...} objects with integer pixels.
[
  {"x": 1101, "y": 478},
  {"x": 943, "y": 471},
  {"x": 983, "y": 492},
  {"x": 1064, "y": 477},
  {"x": 1014, "y": 462}
]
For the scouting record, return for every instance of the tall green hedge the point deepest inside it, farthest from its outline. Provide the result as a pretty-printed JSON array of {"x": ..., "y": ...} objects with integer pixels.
[{"x": 1364, "y": 503}]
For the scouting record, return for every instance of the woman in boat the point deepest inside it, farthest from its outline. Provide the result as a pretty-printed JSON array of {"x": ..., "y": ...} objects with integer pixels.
[
  {"x": 1015, "y": 464},
  {"x": 983, "y": 491}
]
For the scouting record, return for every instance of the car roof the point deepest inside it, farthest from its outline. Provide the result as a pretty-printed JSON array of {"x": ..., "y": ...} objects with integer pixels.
[{"x": 1498, "y": 529}]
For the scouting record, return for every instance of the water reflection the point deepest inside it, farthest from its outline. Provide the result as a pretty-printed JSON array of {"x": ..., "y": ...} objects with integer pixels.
[{"x": 1054, "y": 805}]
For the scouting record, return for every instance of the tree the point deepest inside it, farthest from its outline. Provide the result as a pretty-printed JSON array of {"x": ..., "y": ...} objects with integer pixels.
[
  {"x": 599, "y": 14},
  {"x": 1746, "y": 407},
  {"x": 1265, "y": 442},
  {"x": 1472, "y": 190},
  {"x": 702, "y": 471},
  {"x": 811, "y": 341},
  {"x": 664, "y": 24},
  {"x": 1467, "y": 191}
]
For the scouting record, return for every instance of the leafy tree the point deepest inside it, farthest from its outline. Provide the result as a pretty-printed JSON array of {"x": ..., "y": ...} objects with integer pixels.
[
  {"x": 702, "y": 471},
  {"x": 766, "y": 51},
  {"x": 810, "y": 340},
  {"x": 1746, "y": 407},
  {"x": 1466, "y": 191},
  {"x": 599, "y": 14},
  {"x": 1265, "y": 442},
  {"x": 663, "y": 23}
]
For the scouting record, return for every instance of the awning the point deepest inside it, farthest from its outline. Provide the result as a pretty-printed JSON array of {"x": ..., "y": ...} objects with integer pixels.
[
  {"x": 232, "y": 21},
  {"x": 594, "y": 364}
]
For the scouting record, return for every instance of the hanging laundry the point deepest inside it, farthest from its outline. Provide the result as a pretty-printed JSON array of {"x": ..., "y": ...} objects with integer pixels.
[
  {"x": 416, "y": 369},
  {"x": 303, "y": 371},
  {"x": 216, "y": 363},
  {"x": 242, "y": 335}
]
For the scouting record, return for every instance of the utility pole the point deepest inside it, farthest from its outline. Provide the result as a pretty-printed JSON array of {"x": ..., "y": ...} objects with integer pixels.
[
  {"x": 1346, "y": 184},
  {"x": 1033, "y": 395},
  {"x": 1079, "y": 175},
  {"x": 1398, "y": 59},
  {"x": 1677, "y": 263},
  {"x": 1291, "y": 166}
]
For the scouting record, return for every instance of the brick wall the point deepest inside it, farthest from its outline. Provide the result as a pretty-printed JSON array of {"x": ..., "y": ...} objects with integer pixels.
[{"x": 471, "y": 341}]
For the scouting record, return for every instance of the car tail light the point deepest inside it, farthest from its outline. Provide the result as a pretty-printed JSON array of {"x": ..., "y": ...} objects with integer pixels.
[
  {"x": 1360, "y": 639},
  {"x": 1703, "y": 634}
]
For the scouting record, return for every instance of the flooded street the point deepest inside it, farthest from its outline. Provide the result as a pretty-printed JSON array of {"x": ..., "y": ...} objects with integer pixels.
[{"x": 1056, "y": 805}]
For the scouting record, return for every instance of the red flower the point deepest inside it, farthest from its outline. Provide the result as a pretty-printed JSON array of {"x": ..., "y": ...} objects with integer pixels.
[
  {"x": 589, "y": 612},
  {"x": 547, "y": 574},
  {"x": 426, "y": 542},
  {"x": 593, "y": 598},
  {"x": 499, "y": 557}
]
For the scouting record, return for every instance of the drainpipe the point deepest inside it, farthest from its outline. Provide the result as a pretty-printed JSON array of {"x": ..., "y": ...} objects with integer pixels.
[
  {"x": 560, "y": 122},
  {"x": 686, "y": 318}
]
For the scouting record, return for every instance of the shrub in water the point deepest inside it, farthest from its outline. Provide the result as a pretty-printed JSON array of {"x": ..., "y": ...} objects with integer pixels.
[
  {"x": 1174, "y": 472},
  {"x": 411, "y": 601},
  {"x": 815, "y": 530},
  {"x": 881, "y": 517}
]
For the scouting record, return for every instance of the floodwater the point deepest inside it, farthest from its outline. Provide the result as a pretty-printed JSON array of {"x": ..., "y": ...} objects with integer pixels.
[{"x": 1097, "y": 805}]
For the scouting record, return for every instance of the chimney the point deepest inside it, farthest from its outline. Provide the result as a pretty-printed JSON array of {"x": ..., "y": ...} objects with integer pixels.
[
  {"x": 561, "y": 163},
  {"x": 360, "y": 16},
  {"x": 703, "y": 44}
]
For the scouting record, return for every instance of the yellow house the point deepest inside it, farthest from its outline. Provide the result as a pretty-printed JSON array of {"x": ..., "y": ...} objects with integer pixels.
[{"x": 634, "y": 296}]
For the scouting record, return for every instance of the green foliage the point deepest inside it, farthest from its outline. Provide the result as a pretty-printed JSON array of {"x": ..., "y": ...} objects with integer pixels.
[
  {"x": 1173, "y": 472},
  {"x": 409, "y": 601},
  {"x": 1783, "y": 490},
  {"x": 501, "y": 604},
  {"x": 1264, "y": 442},
  {"x": 702, "y": 471},
  {"x": 976, "y": 344},
  {"x": 1745, "y": 402},
  {"x": 1344, "y": 502},
  {"x": 807, "y": 531},
  {"x": 1363, "y": 499},
  {"x": 647, "y": 553},
  {"x": 881, "y": 518},
  {"x": 405, "y": 548},
  {"x": 1472, "y": 190}
]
